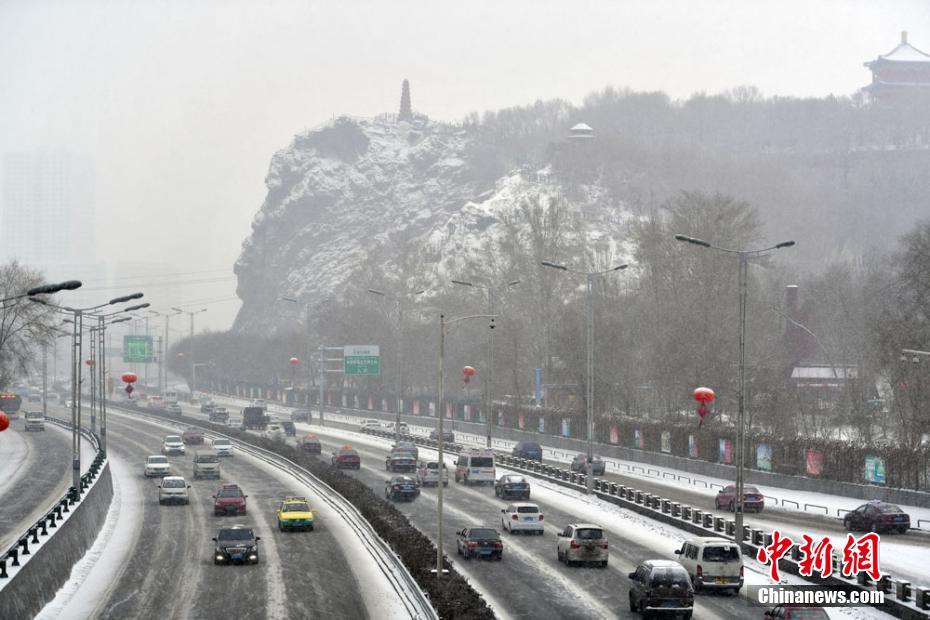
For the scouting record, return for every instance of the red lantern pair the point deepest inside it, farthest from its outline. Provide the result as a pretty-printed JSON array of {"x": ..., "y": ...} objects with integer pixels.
[
  {"x": 468, "y": 373},
  {"x": 294, "y": 361},
  {"x": 704, "y": 396}
]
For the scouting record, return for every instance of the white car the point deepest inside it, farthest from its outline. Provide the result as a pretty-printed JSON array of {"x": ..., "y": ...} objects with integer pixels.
[
  {"x": 35, "y": 421},
  {"x": 428, "y": 474},
  {"x": 223, "y": 446},
  {"x": 173, "y": 445},
  {"x": 273, "y": 432},
  {"x": 234, "y": 422},
  {"x": 157, "y": 465},
  {"x": 372, "y": 424},
  {"x": 173, "y": 490},
  {"x": 522, "y": 517},
  {"x": 713, "y": 563},
  {"x": 389, "y": 427}
]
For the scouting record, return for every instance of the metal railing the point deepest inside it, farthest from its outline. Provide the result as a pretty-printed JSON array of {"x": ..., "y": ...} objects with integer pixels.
[{"x": 48, "y": 523}]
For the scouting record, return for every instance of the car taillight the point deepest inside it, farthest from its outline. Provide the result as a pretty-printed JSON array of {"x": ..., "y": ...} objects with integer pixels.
[
  {"x": 540, "y": 517},
  {"x": 574, "y": 545},
  {"x": 741, "y": 572},
  {"x": 472, "y": 543},
  {"x": 514, "y": 517},
  {"x": 498, "y": 545},
  {"x": 699, "y": 571},
  {"x": 886, "y": 518},
  {"x": 604, "y": 545}
]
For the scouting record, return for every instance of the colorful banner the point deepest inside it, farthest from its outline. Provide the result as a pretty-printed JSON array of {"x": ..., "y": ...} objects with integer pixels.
[
  {"x": 416, "y": 407},
  {"x": 521, "y": 422},
  {"x": 566, "y": 427},
  {"x": 371, "y": 404},
  {"x": 764, "y": 457},
  {"x": 614, "y": 433},
  {"x": 542, "y": 424},
  {"x": 666, "y": 442},
  {"x": 468, "y": 413},
  {"x": 814, "y": 459},
  {"x": 874, "y": 470},
  {"x": 638, "y": 439},
  {"x": 537, "y": 384},
  {"x": 448, "y": 411},
  {"x": 724, "y": 452},
  {"x": 693, "y": 451},
  {"x": 432, "y": 409}
]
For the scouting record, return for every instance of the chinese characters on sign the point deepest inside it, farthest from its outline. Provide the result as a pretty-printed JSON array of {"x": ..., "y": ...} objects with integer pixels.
[{"x": 860, "y": 555}]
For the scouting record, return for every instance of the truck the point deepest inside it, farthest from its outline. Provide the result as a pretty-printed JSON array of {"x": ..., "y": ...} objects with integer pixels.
[
  {"x": 219, "y": 415},
  {"x": 35, "y": 420},
  {"x": 254, "y": 418},
  {"x": 170, "y": 397}
]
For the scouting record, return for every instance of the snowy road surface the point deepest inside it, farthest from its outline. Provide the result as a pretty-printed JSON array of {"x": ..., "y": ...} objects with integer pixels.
[
  {"x": 35, "y": 471},
  {"x": 167, "y": 570}
]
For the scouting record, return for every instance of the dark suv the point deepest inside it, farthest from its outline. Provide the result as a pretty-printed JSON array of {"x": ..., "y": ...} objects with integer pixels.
[
  {"x": 661, "y": 586},
  {"x": 529, "y": 450},
  {"x": 237, "y": 544},
  {"x": 229, "y": 500}
]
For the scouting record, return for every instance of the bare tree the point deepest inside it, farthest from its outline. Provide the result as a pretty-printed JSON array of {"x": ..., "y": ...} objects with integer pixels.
[{"x": 24, "y": 326}]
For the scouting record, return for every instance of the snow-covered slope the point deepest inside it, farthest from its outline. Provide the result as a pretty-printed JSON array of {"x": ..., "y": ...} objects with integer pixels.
[{"x": 358, "y": 194}]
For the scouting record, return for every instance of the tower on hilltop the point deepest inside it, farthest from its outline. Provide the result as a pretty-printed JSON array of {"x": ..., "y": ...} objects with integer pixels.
[{"x": 406, "y": 111}]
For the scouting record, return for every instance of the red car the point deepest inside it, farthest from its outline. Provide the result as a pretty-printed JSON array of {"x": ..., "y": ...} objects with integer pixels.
[
  {"x": 192, "y": 436},
  {"x": 753, "y": 500},
  {"x": 229, "y": 500},
  {"x": 310, "y": 443},
  {"x": 346, "y": 457}
]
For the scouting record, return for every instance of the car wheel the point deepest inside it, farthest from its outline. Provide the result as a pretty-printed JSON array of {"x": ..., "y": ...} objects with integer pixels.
[
  {"x": 632, "y": 604},
  {"x": 696, "y": 584},
  {"x": 558, "y": 555},
  {"x": 902, "y": 530},
  {"x": 846, "y": 525},
  {"x": 280, "y": 527},
  {"x": 604, "y": 564},
  {"x": 217, "y": 562},
  {"x": 446, "y": 483},
  {"x": 873, "y": 527},
  {"x": 716, "y": 504}
]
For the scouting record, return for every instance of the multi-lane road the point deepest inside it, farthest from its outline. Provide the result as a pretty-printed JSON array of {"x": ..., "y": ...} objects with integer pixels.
[{"x": 167, "y": 570}]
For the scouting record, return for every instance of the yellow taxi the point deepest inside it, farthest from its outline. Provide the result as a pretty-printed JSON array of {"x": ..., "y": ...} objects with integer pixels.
[{"x": 295, "y": 513}]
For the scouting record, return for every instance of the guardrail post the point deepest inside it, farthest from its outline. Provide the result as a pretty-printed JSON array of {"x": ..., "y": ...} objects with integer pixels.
[
  {"x": 3, "y": 574},
  {"x": 862, "y": 578},
  {"x": 796, "y": 556},
  {"x": 697, "y": 516},
  {"x": 35, "y": 534},
  {"x": 884, "y": 584},
  {"x": 746, "y": 533},
  {"x": 14, "y": 557},
  {"x": 730, "y": 528},
  {"x": 921, "y": 597},
  {"x": 676, "y": 509},
  {"x": 24, "y": 542},
  {"x": 902, "y": 590},
  {"x": 639, "y": 497},
  {"x": 756, "y": 537},
  {"x": 686, "y": 512},
  {"x": 708, "y": 520}
]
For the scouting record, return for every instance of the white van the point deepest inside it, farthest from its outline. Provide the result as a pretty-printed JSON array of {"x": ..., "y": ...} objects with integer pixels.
[
  {"x": 712, "y": 562},
  {"x": 475, "y": 466},
  {"x": 35, "y": 421}
]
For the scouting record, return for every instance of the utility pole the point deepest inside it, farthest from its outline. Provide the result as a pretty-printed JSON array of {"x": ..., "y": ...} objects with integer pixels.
[{"x": 190, "y": 344}]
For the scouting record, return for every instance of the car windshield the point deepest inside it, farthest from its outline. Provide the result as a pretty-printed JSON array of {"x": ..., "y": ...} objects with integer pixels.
[
  {"x": 296, "y": 508},
  {"x": 751, "y": 491},
  {"x": 230, "y": 492},
  {"x": 528, "y": 509},
  {"x": 345, "y": 452},
  {"x": 236, "y": 534},
  {"x": 589, "y": 534},
  {"x": 480, "y": 532},
  {"x": 403, "y": 480},
  {"x": 172, "y": 439},
  {"x": 514, "y": 479},
  {"x": 173, "y": 484},
  {"x": 886, "y": 508},
  {"x": 721, "y": 553},
  {"x": 221, "y": 442},
  {"x": 670, "y": 577},
  {"x": 207, "y": 458},
  {"x": 434, "y": 466},
  {"x": 482, "y": 461},
  {"x": 158, "y": 459}
]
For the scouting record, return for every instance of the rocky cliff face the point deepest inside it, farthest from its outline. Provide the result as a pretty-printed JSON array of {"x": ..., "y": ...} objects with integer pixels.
[{"x": 355, "y": 192}]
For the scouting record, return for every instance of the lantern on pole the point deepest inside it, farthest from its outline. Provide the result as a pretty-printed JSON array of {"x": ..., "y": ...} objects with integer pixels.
[
  {"x": 705, "y": 396},
  {"x": 468, "y": 372},
  {"x": 89, "y": 362},
  {"x": 4, "y": 421},
  {"x": 294, "y": 361},
  {"x": 129, "y": 378}
]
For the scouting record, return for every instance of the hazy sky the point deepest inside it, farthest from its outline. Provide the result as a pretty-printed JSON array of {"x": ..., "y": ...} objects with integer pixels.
[{"x": 183, "y": 103}]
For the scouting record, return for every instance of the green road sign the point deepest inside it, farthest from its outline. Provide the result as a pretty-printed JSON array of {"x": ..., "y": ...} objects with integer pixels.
[
  {"x": 138, "y": 349},
  {"x": 361, "y": 360}
]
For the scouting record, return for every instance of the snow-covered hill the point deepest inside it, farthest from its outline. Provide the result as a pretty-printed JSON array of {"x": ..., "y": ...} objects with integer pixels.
[{"x": 360, "y": 192}]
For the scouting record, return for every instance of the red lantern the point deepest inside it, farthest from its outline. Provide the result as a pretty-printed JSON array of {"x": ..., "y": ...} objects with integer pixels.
[
  {"x": 180, "y": 355},
  {"x": 704, "y": 396},
  {"x": 129, "y": 377},
  {"x": 89, "y": 362},
  {"x": 468, "y": 371},
  {"x": 294, "y": 361},
  {"x": 4, "y": 421}
]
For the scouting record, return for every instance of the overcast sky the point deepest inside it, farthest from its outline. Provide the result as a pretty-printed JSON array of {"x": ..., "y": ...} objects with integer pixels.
[{"x": 182, "y": 104}]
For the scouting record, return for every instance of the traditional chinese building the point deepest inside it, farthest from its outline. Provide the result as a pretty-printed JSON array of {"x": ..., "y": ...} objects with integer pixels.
[{"x": 902, "y": 76}]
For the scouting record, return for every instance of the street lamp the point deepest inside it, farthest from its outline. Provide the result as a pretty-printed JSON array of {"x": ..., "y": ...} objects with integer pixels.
[
  {"x": 307, "y": 305},
  {"x": 589, "y": 347},
  {"x": 489, "y": 383},
  {"x": 743, "y": 256},
  {"x": 443, "y": 325},
  {"x": 76, "y": 372},
  {"x": 46, "y": 289},
  {"x": 398, "y": 352},
  {"x": 190, "y": 348}
]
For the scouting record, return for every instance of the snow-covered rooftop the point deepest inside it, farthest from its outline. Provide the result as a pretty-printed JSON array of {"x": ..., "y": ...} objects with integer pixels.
[{"x": 905, "y": 52}]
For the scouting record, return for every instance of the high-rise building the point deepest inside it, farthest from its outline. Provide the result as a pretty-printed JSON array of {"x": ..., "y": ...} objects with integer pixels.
[{"x": 47, "y": 203}]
